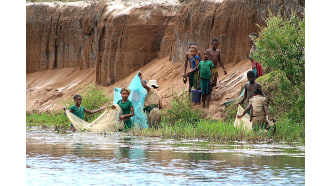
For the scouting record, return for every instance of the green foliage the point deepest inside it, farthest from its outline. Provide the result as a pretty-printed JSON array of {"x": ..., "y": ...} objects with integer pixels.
[
  {"x": 59, "y": 120},
  {"x": 93, "y": 97},
  {"x": 281, "y": 47},
  {"x": 180, "y": 109}
]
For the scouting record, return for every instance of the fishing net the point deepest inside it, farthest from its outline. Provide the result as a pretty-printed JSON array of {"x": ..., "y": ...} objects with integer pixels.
[
  {"x": 243, "y": 122},
  {"x": 137, "y": 97},
  {"x": 108, "y": 121}
]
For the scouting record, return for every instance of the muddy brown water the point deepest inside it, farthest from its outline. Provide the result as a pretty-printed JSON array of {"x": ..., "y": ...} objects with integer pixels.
[{"x": 85, "y": 158}]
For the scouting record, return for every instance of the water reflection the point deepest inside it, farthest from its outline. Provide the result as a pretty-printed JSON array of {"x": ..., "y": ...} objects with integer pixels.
[{"x": 121, "y": 159}]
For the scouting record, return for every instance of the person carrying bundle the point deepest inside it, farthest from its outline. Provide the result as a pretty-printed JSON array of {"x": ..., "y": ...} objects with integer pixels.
[
  {"x": 152, "y": 102},
  {"x": 259, "y": 111}
]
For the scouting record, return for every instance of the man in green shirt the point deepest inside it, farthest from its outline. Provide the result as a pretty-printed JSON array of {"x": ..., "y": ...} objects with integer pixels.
[{"x": 205, "y": 75}]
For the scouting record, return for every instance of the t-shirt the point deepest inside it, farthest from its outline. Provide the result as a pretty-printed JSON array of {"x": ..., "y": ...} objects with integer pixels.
[
  {"x": 193, "y": 60},
  {"x": 78, "y": 112},
  {"x": 125, "y": 107},
  {"x": 205, "y": 69}
]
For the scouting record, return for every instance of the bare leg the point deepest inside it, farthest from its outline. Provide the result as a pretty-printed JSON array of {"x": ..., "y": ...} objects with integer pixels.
[
  {"x": 72, "y": 128},
  {"x": 203, "y": 98},
  {"x": 189, "y": 92},
  {"x": 207, "y": 100}
]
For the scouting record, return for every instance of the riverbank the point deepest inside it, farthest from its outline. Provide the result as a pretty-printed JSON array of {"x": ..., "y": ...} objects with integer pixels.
[{"x": 212, "y": 130}]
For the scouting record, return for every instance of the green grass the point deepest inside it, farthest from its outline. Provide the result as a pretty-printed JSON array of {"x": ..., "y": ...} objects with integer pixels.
[
  {"x": 57, "y": 120},
  {"x": 224, "y": 131}
]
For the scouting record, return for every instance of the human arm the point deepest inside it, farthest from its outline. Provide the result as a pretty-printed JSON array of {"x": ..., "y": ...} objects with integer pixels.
[
  {"x": 196, "y": 66},
  {"x": 71, "y": 110},
  {"x": 245, "y": 111},
  {"x": 160, "y": 104},
  {"x": 244, "y": 97},
  {"x": 122, "y": 117},
  {"x": 267, "y": 112},
  {"x": 94, "y": 111},
  {"x": 142, "y": 82},
  {"x": 185, "y": 66},
  {"x": 224, "y": 69}
]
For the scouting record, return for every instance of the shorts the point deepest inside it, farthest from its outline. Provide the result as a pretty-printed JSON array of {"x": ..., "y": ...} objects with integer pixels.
[
  {"x": 214, "y": 77},
  {"x": 206, "y": 86},
  {"x": 193, "y": 80}
]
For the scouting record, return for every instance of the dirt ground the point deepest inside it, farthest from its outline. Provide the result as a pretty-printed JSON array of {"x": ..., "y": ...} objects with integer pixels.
[{"x": 46, "y": 90}]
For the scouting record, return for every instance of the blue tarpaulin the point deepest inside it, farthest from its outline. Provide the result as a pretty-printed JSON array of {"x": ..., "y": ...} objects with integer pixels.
[{"x": 136, "y": 96}]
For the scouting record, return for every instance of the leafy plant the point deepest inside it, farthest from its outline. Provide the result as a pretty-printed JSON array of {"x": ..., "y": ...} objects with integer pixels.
[
  {"x": 281, "y": 47},
  {"x": 180, "y": 109},
  {"x": 93, "y": 97}
]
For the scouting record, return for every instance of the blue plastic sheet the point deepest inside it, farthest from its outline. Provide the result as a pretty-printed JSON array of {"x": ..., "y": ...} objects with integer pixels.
[{"x": 137, "y": 96}]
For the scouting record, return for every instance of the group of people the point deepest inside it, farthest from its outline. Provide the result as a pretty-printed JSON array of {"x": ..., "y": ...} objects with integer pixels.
[
  {"x": 152, "y": 104},
  {"x": 202, "y": 75}
]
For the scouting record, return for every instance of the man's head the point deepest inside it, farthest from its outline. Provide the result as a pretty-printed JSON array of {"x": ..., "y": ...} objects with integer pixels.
[
  {"x": 215, "y": 43},
  {"x": 251, "y": 76},
  {"x": 205, "y": 55},
  {"x": 77, "y": 99},
  {"x": 193, "y": 51},
  {"x": 257, "y": 92}
]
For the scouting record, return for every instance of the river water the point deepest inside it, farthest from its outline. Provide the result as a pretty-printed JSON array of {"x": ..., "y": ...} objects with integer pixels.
[{"x": 85, "y": 158}]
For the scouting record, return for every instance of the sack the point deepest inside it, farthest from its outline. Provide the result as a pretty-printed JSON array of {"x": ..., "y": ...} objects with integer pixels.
[{"x": 243, "y": 122}]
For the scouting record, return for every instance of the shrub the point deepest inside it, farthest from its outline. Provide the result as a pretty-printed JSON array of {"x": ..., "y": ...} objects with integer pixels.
[
  {"x": 180, "y": 109},
  {"x": 281, "y": 48},
  {"x": 93, "y": 97}
]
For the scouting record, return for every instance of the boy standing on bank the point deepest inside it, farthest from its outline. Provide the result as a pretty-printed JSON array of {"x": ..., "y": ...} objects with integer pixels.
[
  {"x": 205, "y": 75},
  {"x": 250, "y": 87},
  {"x": 214, "y": 54}
]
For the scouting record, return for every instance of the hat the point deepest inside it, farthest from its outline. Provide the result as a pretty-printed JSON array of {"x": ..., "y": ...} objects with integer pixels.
[{"x": 153, "y": 83}]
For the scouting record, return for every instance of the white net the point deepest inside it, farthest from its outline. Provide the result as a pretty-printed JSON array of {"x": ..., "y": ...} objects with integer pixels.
[
  {"x": 108, "y": 121},
  {"x": 243, "y": 122}
]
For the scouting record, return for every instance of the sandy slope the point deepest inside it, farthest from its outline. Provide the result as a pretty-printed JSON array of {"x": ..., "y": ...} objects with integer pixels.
[{"x": 46, "y": 90}]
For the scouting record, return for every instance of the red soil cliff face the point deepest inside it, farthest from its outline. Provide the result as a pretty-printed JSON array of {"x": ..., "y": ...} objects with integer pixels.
[
  {"x": 68, "y": 44},
  {"x": 88, "y": 35}
]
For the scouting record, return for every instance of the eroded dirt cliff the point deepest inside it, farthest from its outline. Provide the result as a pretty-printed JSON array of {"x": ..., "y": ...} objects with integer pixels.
[{"x": 68, "y": 44}]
